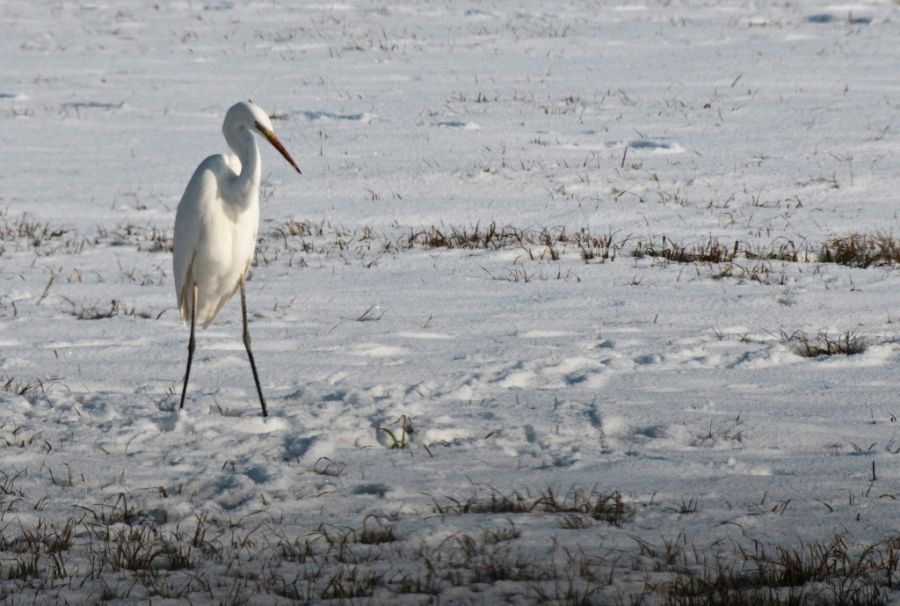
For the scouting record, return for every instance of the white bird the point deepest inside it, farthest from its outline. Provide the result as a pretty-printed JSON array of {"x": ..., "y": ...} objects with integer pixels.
[{"x": 216, "y": 226}]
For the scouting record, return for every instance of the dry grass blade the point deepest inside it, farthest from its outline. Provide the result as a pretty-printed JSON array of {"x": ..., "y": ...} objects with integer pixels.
[{"x": 370, "y": 315}]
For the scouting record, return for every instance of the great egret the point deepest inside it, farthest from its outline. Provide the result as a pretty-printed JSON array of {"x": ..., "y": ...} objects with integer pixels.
[{"x": 216, "y": 226}]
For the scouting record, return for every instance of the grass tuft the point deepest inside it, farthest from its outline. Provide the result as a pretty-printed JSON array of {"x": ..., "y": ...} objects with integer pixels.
[
  {"x": 823, "y": 344},
  {"x": 862, "y": 250},
  {"x": 595, "y": 505},
  {"x": 116, "y": 308},
  {"x": 707, "y": 251},
  {"x": 21, "y": 387}
]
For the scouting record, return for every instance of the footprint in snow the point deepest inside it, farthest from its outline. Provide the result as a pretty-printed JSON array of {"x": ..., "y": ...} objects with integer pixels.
[
  {"x": 649, "y": 145},
  {"x": 295, "y": 447},
  {"x": 457, "y": 124},
  {"x": 321, "y": 116}
]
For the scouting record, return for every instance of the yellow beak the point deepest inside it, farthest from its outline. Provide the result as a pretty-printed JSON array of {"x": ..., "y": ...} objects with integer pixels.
[{"x": 277, "y": 144}]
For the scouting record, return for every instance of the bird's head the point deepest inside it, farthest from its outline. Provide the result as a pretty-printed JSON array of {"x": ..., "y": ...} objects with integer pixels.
[{"x": 247, "y": 115}]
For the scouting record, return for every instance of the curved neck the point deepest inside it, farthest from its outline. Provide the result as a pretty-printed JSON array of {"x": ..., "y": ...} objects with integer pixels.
[{"x": 244, "y": 145}]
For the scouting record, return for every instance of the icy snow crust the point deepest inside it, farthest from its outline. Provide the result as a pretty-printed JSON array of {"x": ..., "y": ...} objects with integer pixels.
[{"x": 517, "y": 377}]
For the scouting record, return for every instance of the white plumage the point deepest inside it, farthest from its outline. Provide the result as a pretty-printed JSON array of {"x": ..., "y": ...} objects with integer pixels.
[{"x": 217, "y": 223}]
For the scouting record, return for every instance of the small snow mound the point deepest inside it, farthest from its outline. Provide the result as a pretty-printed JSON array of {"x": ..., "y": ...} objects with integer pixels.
[
  {"x": 746, "y": 469},
  {"x": 424, "y": 335},
  {"x": 771, "y": 356},
  {"x": 616, "y": 427},
  {"x": 545, "y": 334},
  {"x": 518, "y": 380},
  {"x": 333, "y": 6},
  {"x": 377, "y": 350},
  {"x": 14, "y": 404}
]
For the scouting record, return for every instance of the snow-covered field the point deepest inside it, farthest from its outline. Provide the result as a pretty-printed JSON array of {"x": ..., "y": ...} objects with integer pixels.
[{"x": 530, "y": 323}]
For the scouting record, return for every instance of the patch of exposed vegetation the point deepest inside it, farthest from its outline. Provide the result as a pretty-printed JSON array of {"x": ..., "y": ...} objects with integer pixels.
[
  {"x": 297, "y": 238},
  {"x": 824, "y": 344},
  {"x": 101, "y": 312},
  {"x": 119, "y": 550},
  {"x": 862, "y": 250},
  {"x": 606, "y": 507}
]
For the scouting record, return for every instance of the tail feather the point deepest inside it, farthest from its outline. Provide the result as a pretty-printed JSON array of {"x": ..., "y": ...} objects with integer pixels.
[{"x": 207, "y": 320}]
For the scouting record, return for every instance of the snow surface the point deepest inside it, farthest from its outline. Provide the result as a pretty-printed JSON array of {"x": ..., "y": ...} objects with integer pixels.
[{"x": 770, "y": 124}]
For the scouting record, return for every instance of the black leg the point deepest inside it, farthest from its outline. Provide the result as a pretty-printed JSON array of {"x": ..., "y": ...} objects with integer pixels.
[
  {"x": 191, "y": 343},
  {"x": 262, "y": 400}
]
